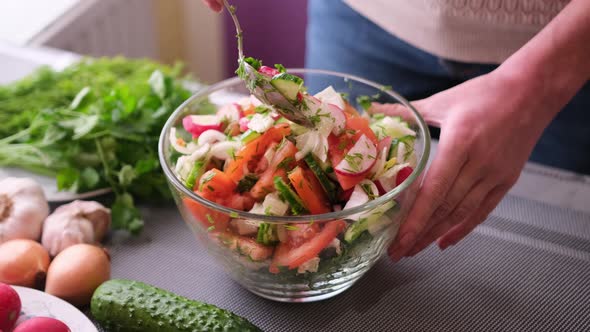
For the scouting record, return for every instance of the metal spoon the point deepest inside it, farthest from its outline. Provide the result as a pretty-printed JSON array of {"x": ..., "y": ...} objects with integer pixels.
[{"x": 259, "y": 84}]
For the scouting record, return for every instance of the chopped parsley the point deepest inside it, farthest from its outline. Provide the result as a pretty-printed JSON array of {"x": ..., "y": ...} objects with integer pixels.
[
  {"x": 280, "y": 68},
  {"x": 354, "y": 160}
]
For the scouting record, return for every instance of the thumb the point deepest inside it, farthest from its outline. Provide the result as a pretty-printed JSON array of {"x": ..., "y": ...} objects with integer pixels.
[{"x": 430, "y": 115}]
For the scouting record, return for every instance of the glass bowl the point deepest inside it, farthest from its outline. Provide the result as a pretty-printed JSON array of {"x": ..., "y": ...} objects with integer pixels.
[{"x": 338, "y": 268}]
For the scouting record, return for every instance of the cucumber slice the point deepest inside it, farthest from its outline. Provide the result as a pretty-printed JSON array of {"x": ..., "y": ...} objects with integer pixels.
[
  {"x": 195, "y": 174},
  {"x": 367, "y": 220},
  {"x": 288, "y": 85},
  {"x": 266, "y": 234},
  {"x": 249, "y": 136},
  {"x": 289, "y": 196},
  {"x": 407, "y": 140},
  {"x": 329, "y": 186}
]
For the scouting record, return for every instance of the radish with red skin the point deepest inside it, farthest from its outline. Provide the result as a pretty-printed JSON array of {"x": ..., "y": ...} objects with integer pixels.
[
  {"x": 243, "y": 122},
  {"x": 359, "y": 159},
  {"x": 197, "y": 124},
  {"x": 403, "y": 174},
  {"x": 232, "y": 112},
  {"x": 45, "y": 324},
  {"x": 380, "y": 188},
  {"x": 268, "y": 71},
  {"x": 10, "y": 306},
  {"x": 339, "y": 118}
]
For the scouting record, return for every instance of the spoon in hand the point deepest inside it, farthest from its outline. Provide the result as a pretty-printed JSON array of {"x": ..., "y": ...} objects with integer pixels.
[{"x": 281, "y": 91}]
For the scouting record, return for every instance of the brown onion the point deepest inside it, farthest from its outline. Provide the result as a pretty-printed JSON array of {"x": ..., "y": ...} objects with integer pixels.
[
  {"x": 23, "y": 263},
  {"x": 76, "y": 273}
]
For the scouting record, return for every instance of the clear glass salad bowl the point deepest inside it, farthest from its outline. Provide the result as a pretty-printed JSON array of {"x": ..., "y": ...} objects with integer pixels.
[{"x": 338, "y": 269}]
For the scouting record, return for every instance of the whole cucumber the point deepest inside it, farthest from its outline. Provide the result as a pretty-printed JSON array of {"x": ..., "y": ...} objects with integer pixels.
[{"x": 125, "y": 305}]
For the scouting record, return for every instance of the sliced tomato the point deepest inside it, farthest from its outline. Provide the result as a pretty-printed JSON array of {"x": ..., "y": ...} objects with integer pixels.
[
  {"x": 216, "y": 183},
  {"x": 282, "y": 160},
  {"x": 209, "y": 218},
  {"x": 254, "y": 150},
  {"x": 310, "y": 190},
  {"x": 286, "y": 256},
  {"x": 348, "y": 109},
  {"x": 361, "y": 126}
]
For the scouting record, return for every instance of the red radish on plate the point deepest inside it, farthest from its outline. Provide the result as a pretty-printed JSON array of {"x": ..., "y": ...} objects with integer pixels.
[
  {"x": 44, "y": 324},
  {"x": 359, "y": 159},
  {"x": 196, "y": 124},
  {"x": 268, "y": 71},
  {"x": 10, "y": 306}
]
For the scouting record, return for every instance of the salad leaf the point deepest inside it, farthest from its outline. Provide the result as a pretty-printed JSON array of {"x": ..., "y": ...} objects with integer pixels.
[{"x": 95, "y": 124}]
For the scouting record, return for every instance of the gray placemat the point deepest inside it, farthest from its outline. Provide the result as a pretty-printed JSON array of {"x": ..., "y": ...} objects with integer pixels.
[{"x": 526, "y": 269}]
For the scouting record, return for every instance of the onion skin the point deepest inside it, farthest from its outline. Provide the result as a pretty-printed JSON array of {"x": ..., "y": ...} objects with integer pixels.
[
  {"x": 76, "y": 273},
  {"x": 23, "y": 263}
]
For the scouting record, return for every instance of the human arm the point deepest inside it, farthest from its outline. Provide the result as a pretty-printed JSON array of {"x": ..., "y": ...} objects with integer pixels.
[{"x": 489, "y": 126}]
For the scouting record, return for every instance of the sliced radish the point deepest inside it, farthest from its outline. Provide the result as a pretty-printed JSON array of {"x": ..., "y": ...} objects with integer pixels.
[
  {"x": 338, "y": 117},
  {"x": 357, "y": 198},
  {"x": 197, "y": 124},
  {"x": 359, "y": 159},
  {"x": 380, "y": 188},
  {"x": 268, "y": 71},
  {"x": 243, "y": 122},
  {"x": 232, "y": 112},
  {"x": 403, "y": 174},
  {"x": 388, "y": 180}
]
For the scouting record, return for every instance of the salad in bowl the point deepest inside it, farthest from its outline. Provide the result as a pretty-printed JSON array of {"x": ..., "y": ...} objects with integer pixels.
[{"x": 295, "y": 212}]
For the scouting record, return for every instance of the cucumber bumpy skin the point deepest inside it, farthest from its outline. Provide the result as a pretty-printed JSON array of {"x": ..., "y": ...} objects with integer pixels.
[{"x": 123, "y": 305}]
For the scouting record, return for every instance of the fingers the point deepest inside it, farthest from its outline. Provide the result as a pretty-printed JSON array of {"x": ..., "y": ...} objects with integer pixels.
[
  {"x": 429, "y": 114},
  {"x": 438, "y": 182},
  {"x": 470, "y": 204},
  {"x": 458, "y": 232},
  {"x": 215, "y": 5}
]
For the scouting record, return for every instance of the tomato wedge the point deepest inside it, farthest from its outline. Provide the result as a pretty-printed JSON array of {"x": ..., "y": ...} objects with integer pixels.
[
  {"x": 255, "y": 149},
  {"x": 285, "y": 256},
  {"x": 282, "y": 160},
  {"x": 310, "y": 190},
  {"x": 209, "y": 218},
  {"x": 361, "y": 126}
]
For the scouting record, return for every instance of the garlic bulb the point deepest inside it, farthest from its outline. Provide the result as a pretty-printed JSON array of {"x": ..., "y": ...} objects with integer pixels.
[
  {"x": 74, "y": 223},
  {"x": 23, "y": 208}
]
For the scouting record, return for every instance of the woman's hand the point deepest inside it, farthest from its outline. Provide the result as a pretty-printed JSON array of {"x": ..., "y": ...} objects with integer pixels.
[
  {"x": 488, "y": 130},
  {"x": 215, "y": 5}
]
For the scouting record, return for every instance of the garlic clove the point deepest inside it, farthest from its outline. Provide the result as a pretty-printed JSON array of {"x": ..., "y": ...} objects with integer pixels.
[
  {"x": 74, "y": 223},
  {"x": 23, "y": 208}
]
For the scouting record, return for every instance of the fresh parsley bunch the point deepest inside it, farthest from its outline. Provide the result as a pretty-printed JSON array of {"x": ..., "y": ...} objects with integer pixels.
[{"x": 95, "y": 124}]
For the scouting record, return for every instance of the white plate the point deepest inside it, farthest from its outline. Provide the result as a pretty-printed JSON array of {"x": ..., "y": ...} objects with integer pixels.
[
  {"x": 50, "y": 187},
  {"x": 38, "y": 304}
]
